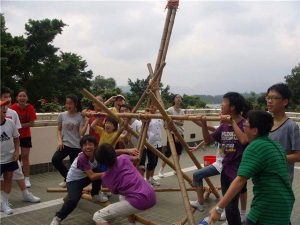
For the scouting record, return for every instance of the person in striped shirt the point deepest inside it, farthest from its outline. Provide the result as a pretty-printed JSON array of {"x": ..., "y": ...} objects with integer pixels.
[{"x": 265, "y": 161}]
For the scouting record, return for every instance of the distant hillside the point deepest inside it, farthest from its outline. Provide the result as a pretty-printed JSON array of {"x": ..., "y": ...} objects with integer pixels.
[{"x": 218, "y": 99}]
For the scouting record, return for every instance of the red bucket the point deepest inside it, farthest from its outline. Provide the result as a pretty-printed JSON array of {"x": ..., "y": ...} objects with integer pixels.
[{"x": 209, "y": 160}]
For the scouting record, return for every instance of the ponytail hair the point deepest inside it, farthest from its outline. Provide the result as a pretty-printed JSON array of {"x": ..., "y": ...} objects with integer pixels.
[
  {"x": 76, "y": 101},
  {"x": 248, "y": 106}
]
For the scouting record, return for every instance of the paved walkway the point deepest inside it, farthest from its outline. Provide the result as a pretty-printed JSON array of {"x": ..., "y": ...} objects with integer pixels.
[{"x": 169, "y": 207}]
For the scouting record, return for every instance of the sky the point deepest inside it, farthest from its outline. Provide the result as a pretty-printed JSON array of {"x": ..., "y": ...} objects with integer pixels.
[{"x": 215, "y": 47}]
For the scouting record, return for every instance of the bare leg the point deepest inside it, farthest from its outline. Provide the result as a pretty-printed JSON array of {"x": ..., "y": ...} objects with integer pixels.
[
  {"x": 25, "y": 160},
  {"x": 7, "y": 184},
  {"x": 131, "y": 218},
  {"x": 163, "y": 164},
  {"x": 142, "y": 172},
  {"x": 149, "y": 173},
  {"x": 21, "y": 184},
  {"x": 200, "y": 192}
]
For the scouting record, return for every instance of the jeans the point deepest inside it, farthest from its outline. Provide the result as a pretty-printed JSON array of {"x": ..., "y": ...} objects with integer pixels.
[
  {"x": 75, "y": 191},
  {"x": 59, "y": 156},
  {"x": 232, "y": 209},
  {"x": 208, "y": 171}
]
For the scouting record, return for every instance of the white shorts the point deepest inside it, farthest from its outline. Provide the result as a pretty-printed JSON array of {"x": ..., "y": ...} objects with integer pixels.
[
  {"x": 111, "y": 212},
  {"x": 18, "y": 174}
]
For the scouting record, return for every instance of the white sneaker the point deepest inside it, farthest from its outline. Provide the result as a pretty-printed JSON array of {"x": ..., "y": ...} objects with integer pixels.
[
  {"x": 56, "y": 221},
  {"x": 5, "y": 207},
  {"x": 174, "y": 172},
  {"x": 27, "y": 182},
  {"x": 223, "y": 216},
  {"x": 243, "y": 217},
  {"x": 153, "y": 182},
  {"x": 196, "y": 204},
  {"x": 99, "y": 198},
  {"x": 226, "y": 223},
  {"x": 30, "y": 198},
  {"x": 63, "y": 184},
  {"x": 161, "y": 174},
  {"x": 107, "y": 194}
]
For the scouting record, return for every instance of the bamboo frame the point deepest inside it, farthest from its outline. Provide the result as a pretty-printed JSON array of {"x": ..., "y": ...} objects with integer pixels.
[
  {"x": 186, "y": 147},
  {"x": 158, "y": 116}
]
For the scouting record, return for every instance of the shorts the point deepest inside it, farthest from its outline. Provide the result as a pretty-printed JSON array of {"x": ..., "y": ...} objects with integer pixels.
[
  {"x": 26, "y": 142},
  {"x": 178, "y": 147},
  {"x": 118, "y": 209},
  {"x": 18, "y": 174},
  {"x": 12, "y": 166}
]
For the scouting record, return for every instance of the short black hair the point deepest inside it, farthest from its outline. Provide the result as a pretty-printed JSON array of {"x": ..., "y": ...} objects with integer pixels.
[
  {"x": 111, "y": 120},
  {"x": 261, "y": 120},
  {"x": 4, "y": 90},
  {"x": 282, "y": 89},
  {"x": 126, "y": 106},
  {"x": 236, "y": 100},
  {"x": 89, "y": 138},
  {"x": 105, "y": 154}
]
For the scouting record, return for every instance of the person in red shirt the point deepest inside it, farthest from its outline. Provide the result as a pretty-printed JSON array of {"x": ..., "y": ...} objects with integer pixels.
[{"x": 27, "y": 116}]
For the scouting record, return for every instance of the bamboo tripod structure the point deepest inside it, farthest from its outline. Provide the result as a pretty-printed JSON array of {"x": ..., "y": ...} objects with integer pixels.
[{"x": 155, "y": 99}]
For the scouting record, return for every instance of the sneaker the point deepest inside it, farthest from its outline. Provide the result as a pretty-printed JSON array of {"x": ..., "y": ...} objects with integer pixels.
[
  {"x": 27, "y": 182},
  {"x": 63, "y": 184},
  {"x": 196, "y": 204},
  {"x": 223, "y": 216},
  {"x": 5, "y": 207},
  {"x": 107, "y": 194},
  {"x": 226, "y": 223},
  {"x": 155, "y": 182},
  {"x": 99, "y": 198},
  {"x": 56, "y": 221},
  {"x": 174, "y": 172},
  {"x": 161, "y": 174},
  {"x": 30, "y": 198},
  {"x": 243, "y": 217}
]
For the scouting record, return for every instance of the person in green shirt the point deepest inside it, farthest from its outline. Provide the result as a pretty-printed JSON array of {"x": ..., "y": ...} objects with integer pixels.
[{"x": 265, "y": 161}]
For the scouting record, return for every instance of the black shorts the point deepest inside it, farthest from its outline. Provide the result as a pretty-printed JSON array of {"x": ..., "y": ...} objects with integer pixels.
[
  {"x": 12, "y": 166},
  {"x": 26, "y": 142},
  {"x": 178, "y": 147}
]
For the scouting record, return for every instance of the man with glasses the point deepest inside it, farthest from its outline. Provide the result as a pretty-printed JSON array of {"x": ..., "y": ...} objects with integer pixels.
[{"x": 284, "y": 131}]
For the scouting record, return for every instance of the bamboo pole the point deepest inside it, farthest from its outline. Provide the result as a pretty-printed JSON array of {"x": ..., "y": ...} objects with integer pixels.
[
  {"x": 158, "y": 116},
  {"x": 186, "y": 147},
  {"x": 104, "y": 204},
  {"x": 141, "y": 142},
  {"x": 175, "y": 159},
  {"x": 184, "y": 219},
  {"x": 135, "y": 134}
]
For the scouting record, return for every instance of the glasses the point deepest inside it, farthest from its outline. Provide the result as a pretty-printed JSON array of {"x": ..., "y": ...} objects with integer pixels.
[
  {"x": 272, "y": 98},
  {"x": 245, "y": 125}
]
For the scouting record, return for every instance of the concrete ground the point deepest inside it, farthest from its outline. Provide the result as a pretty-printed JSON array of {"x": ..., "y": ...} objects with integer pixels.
[{"x": 169, "y": 207}]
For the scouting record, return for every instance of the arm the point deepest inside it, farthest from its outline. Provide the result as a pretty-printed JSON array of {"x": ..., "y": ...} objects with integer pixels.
[
  {"x": 294, "y": 157},
  {"x": 198, "y": 146},
  {"x": 28, "y": 124},
  {"x": 179, "y": 122},
  {"x": 136, "y": 160},
  {"x": 60, "y": 144},
  {"x": 130, "y": 151},
  {"x": 242, "y": 137},
  {"x": 94, "y": 124},
  {"x": 16, "y": 153},
  {"x": 210, "y": 128},
  {"x": 235, "y": 187},
  {"x": 93, "y": 176},
  {"x": 206, "y": 136},
  {"x": 82, "y": 129},
  {"x": 111, "y": 99}
]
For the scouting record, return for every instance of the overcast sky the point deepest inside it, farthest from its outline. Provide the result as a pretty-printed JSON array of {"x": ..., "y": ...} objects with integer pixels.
[{"x": 215, "y": 47}]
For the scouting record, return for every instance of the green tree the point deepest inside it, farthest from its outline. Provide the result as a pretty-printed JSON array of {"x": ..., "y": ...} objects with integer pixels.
[
  {"x": 293, "y": 82},
  {"x": 191, "y": 102},
  {"x": 101, "y": 83}
]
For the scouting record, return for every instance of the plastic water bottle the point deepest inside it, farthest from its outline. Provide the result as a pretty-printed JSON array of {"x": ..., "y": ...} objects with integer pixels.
[
  {"x": 195, "y": 144},
  {"x": 204, "y": 148},
  {"x": 204, "y": 221},
  {"x": 216, "y": 144}
]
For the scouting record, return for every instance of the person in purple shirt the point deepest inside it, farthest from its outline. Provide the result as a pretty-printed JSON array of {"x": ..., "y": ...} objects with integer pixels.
[
  {"x": 233, "y": 141},
  {"x": 122, "y": 178}
]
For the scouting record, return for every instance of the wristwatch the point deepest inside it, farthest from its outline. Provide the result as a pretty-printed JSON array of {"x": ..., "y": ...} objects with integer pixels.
[{"x": 219, "y": 210}]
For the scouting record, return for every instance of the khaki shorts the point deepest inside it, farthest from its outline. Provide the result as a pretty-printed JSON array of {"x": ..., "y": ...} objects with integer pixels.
[{"x": 111, "y": 212}]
